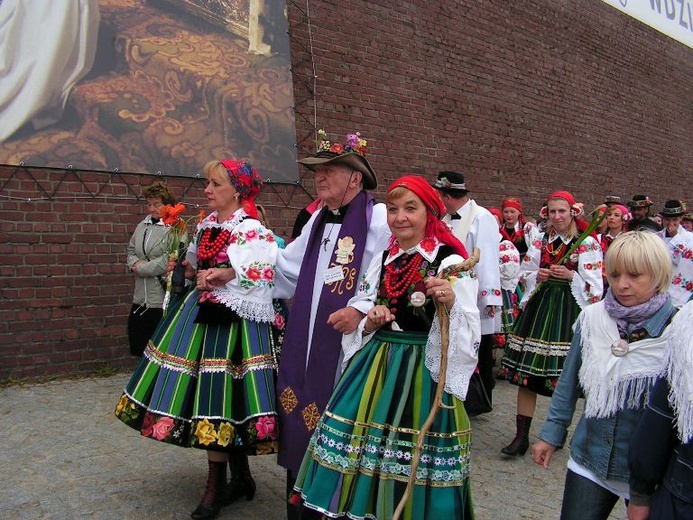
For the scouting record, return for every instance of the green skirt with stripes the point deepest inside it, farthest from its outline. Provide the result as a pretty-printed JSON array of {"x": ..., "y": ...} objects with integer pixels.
[
  {"x": 539, "y": 342},
  {"x": 205, "y": 386},
  {"x": 359, "y": 458}
]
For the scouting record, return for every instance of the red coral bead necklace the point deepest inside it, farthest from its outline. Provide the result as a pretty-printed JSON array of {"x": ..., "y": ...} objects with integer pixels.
[
  {"x": 209, "y": 248},
  {"x": 398, "y": 280}
]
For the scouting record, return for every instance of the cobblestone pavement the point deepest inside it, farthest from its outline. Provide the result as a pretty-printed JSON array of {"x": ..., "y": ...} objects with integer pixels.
[{"x": 65, "y": 455}]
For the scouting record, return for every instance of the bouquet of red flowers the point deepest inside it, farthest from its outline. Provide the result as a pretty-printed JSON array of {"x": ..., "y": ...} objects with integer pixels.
[{"x": 177, "y": 245}]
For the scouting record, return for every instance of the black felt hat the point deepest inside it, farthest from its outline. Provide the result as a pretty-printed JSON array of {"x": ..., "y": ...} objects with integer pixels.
[
  {"x": 673, "y": 208},
  {"x": 450, "y": 181},
  {"x": 640, "y": 201}
]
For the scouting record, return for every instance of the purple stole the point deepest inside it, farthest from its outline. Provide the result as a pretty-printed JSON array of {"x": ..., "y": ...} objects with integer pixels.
[{"x": 303, "y": 391}]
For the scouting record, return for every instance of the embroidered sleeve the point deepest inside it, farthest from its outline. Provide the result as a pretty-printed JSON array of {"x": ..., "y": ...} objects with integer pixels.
[
  {"x": 363, "y": 300},
  {"x": 252, "y": 253},
  {"x": 509, "y": 262},
  {"x": 588, "y": 285},
  {"x": 529, "y": 269},
  {"x": 531, "y": 233},
  {"x": 464, "y": 338}
]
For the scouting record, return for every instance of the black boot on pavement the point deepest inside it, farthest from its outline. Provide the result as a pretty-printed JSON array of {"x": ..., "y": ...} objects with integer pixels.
[
  {"x": 242, "y": 483},
  {"x": 215, "y": 493},
  {"x": 520, "y": 443}
]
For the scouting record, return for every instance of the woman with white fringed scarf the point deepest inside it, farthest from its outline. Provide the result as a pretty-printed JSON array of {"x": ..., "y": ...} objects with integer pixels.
[{"x": 616, "y": 354}]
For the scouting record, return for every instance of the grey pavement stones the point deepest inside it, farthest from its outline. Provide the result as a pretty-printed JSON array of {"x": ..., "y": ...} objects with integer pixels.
[{"x": 65, "y": 456}]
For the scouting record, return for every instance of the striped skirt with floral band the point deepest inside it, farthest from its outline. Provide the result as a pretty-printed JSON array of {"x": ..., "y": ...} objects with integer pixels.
[
  {"x": 539, "y": 342},
  {"x": 205, "y": 386},
  {"x": 359, "y": 458}
]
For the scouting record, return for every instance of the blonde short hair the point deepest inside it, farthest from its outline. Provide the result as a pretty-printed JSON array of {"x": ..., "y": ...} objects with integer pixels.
[
  {"x": 640, "y": 252},
  {"x": 215, "y": 170}
]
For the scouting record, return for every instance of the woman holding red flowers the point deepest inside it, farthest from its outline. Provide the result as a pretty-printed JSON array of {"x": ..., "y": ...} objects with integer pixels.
[
  {"x": 360, "y": 455},
  {"x": 207, "y": 376},
  {"x": 563, "y": 274}
]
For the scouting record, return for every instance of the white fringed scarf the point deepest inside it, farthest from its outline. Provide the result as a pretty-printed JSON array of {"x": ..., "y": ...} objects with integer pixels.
[
  {"x": 612, "y": 383},
  {"x": 679, "y": 357}
]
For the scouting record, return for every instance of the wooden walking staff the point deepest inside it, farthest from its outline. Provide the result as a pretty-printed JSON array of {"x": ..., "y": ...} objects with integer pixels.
[{"x": 444, "y": 317}]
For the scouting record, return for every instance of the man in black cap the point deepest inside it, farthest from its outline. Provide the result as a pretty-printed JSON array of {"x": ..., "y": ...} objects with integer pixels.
[
  {"x": 672, "y": 215},
  {"x": 321, "y": 270},
  {"x": 640, "y": 209},
  {"x": 476, "y": 227}
]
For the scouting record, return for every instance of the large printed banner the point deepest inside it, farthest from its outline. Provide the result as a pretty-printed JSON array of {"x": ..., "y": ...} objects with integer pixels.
[
  {"x": 146, "y": 85},
  {"x": 671, "y": 17}
]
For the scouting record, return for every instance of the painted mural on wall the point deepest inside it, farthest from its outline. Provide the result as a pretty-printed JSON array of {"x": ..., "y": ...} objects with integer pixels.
[{"x": 146, "y": 85}]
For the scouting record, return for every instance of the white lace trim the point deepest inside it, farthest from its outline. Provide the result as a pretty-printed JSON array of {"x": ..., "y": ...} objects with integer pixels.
[
  {"x": 352, "y": 343},
  {"x": 229, "y": 224},
  {"x": 245, "y": 307},
  {"x": 680, "y": 371},
  {"x": 461, "y": 362}
]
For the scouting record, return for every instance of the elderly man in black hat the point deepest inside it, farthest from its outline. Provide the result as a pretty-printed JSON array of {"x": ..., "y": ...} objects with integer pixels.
[
  {"x": 321, "y": 271},
  {"x": 640, "y": 209},
  {"x": 672, "y": 215},
  {"x": 476, "y": 227}
]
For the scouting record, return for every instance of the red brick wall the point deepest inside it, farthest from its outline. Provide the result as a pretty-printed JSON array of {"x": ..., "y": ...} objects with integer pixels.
[{"x": 523, "y": 97}]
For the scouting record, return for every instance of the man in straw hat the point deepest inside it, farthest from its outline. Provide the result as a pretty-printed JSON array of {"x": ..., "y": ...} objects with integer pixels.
[
  {"x": 640, "y": 209},
  {"x": 321, "y": 271},
  {"x": 476, "y": 227}
]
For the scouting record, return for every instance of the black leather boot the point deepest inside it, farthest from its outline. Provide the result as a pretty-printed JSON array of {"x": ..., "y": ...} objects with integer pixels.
[
  {"x": 520, "y": 443},
  {"x": 242, "y": 483},
  {"x": 215, "y": 492}
]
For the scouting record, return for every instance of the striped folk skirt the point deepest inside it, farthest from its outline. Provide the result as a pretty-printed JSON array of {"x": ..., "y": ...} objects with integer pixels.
[
  {"x": 205, "y": 386},
  {"x": 539, "y": 342},
  {"x": 359, "y": 458}
]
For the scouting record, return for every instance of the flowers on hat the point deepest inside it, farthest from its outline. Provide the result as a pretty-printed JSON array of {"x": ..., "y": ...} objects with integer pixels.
[{"x": 354, "y": 143}]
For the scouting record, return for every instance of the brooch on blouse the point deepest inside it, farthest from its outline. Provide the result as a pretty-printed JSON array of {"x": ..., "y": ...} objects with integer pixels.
[{"x": 417, "y": 299}]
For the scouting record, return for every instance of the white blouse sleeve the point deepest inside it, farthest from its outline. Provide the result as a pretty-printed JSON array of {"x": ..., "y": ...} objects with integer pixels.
[
  {"x": 529, "y": 269},
  {"x": 531, "y": 233},
  {"x": 363, "y": 300},
  {"x": 509, "y": 262},
  {"x": 587, "y": 285},
  {"x": 464, "y": 334},
  {"x": 252, "y": 253}
]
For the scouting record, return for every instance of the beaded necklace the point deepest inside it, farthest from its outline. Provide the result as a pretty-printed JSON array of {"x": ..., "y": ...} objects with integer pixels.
[
  {"x": 398, "y": 280},
  {"x": 209, "y": 248}
]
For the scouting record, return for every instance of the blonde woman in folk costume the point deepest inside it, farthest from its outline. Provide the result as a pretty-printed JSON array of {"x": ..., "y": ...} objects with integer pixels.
[
  {"x": 558, "y": 286},
  {"x": 207, "y": 378}
]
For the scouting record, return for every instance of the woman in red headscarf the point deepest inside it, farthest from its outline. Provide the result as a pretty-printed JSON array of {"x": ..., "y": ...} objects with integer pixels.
[
  {"x": 514, "y": 227},
  {"x": 206, "y": 379},
  {"x": 563, "y": 275},
  {"x": 393, "y": 362}
]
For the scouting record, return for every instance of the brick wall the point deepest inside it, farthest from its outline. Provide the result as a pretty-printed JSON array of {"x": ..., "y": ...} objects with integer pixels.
[{"x": 525, "y": 98}]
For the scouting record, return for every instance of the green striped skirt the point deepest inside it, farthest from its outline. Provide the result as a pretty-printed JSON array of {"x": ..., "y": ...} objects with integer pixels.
[
  {"x": 359, "y": 458},
  {"x": 205, "y": 386},
  {"x": 539, "y": 342}
]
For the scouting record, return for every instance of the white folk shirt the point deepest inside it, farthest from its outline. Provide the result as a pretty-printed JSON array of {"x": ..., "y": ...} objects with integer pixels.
[{"x": 483, "y": 234}]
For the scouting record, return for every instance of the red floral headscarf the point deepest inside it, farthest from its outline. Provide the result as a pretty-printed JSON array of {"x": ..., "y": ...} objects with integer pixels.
[
  {"x": 247, "y": 182},
  {"x": 576, "y": 209},
  {"x": 512, "y": 202},
  {"x": 435, "y": 210}
]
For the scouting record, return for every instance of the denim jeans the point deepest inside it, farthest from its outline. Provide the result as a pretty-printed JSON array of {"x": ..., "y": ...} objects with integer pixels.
[{"x": 585, "y": 500}]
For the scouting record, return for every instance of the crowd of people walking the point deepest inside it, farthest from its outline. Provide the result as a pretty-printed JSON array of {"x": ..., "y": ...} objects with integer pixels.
[{"x": 355, "y": 352}]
